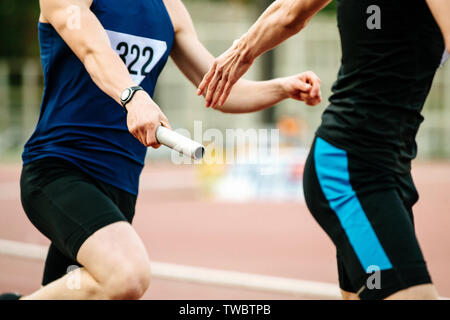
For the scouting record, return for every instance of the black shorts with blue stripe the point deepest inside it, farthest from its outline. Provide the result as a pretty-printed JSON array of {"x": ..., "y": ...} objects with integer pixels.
[{"x": 367, "y": 213}]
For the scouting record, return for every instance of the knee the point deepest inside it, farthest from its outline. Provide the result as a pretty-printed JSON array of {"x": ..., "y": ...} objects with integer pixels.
[{"x": 129, "y": 282}]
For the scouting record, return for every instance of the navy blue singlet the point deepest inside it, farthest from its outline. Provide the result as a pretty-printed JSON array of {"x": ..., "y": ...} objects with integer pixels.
[{"x": 80, "y": 123}]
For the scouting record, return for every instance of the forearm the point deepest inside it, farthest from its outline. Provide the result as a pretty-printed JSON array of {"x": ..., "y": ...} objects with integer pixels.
[
  {"x": 108, "y": 72},
  {"x": 194, "y": 61},
  {"x": 441, "y": 12},
  {"x": 281, "y": 20},
  {"x": 251, "y": 96},
  {"x": 246, "y": 96}
]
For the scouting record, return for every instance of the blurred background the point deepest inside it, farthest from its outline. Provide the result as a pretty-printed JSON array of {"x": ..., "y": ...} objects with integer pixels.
[{"x": 240, "y": 217}]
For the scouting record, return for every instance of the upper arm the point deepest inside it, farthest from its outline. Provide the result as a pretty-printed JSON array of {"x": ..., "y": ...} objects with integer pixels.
[
  {"x": 297, "y": 12},
  {"x": 188, "y": 53},
  {"x": 76, "y": 24},
  {"x": 441, "y": 12}
]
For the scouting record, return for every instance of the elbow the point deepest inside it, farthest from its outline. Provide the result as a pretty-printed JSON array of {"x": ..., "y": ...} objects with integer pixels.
[
  {"x": 87, "y": 58},
  {"x": 292, "y": 18},
  {"x": 229, "y": 109},
  {"x": 225, "y": 109},
  {"x": 88, "y": 55},
  {"x": 93, "y": 53},
  {"x": 92, "y": 59},
  {"x": 293, "y": 22}
]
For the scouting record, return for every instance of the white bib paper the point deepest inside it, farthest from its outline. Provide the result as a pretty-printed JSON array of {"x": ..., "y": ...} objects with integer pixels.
[{"x": 139, "y": 54}]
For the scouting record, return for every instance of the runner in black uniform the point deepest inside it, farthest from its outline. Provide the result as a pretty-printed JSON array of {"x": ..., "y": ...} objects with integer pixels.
[{"x": 357, "y": 178}]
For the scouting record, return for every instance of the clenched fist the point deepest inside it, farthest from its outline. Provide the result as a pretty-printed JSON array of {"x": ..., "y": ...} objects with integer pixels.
[{"x": 144, "y": 117}]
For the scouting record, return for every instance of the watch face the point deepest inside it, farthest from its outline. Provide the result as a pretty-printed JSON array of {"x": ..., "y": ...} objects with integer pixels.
[{"x": 126, "y": 94}]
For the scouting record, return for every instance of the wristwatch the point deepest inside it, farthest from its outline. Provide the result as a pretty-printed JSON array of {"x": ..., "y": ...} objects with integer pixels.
[{"x": 128, "y": 94}]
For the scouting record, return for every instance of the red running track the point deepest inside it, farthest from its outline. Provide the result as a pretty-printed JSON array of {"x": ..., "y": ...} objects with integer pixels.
[{"x": 278, "y": 239}]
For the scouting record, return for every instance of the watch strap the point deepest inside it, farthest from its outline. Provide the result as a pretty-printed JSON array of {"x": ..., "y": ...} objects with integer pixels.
[{"x": 132, "y": 91}]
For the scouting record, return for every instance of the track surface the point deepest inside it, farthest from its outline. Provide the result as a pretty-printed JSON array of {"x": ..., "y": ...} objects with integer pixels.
[{"x": 279, "y": 239}]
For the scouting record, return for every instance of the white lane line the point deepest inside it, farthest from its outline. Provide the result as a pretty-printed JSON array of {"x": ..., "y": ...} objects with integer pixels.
[
  {"x": 207, "y": 276},
  {"x": 22, "y": 250},
  {"x": 241, "y": 280}
]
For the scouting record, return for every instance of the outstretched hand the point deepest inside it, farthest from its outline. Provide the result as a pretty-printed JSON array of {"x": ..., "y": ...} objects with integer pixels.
[
  {"x": 229, "y": 67},
  {"x": 226, "y": 70}
]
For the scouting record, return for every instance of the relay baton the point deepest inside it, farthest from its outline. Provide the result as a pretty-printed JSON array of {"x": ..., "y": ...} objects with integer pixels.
[{"x": 180, "y": 143}]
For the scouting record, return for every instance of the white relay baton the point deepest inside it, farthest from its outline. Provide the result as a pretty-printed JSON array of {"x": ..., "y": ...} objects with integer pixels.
[{"x": 180, "y": 143}]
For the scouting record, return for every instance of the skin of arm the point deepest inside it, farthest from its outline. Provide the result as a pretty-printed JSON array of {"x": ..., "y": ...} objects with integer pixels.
[
  {"x": 441, "y": 12},
  {"x": 281, "y": 20},
  {"x": 91, "y": 45},
  {"x": 194, "y": 60}
]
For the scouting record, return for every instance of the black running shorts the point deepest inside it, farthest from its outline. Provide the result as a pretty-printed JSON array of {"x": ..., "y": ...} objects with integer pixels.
[
  {"x": 367, "y": 213},
  {"x": 67, "y": 205}
]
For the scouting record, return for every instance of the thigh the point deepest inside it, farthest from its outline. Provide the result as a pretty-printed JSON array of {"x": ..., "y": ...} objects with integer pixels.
[
  {"x": 65, "y": 204},
  {"x": 369, "y": 224},
  {"x": 116, "y": 250},
  {"x": 394, "y": 252},
  {"x": 320, "y": 208}
]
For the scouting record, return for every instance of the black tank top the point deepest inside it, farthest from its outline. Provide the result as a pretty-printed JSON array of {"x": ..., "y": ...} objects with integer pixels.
[{"x": 391, "y": 50}]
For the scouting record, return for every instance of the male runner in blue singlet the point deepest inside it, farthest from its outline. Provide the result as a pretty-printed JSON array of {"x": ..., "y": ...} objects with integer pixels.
[
  {"x": 357, "y": 178},
  {"x": 79, "y": 183}
]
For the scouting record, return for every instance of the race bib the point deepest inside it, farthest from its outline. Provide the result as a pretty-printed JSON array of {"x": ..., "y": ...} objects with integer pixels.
[
  {"x": 139, "y": 54},
  {"x": 445, "y": 57}
]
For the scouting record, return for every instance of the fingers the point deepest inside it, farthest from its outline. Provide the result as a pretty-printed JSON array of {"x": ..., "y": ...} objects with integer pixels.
[
  {"x": 303, "y": 96},
  {"x": 206, "y": 79},
  {"x": 229, "y": 79},
  {"x": 312, "y": 79},
  {"x": 212, "y": 87},
  {"x": 219, "y": 91},
  {"x": 226, "y": 93},
  {"x": 134, "y": 129},
  {"x": 313, "y": 101},
  {"x": 149, "y": 134},
  {"x": 146, "y": 132},
  {"x": 140, "y": 134},
  {"x": 163, "y": 122},
  {"x": 151, "y": 139},
  {"x": 303, "y": 86}
]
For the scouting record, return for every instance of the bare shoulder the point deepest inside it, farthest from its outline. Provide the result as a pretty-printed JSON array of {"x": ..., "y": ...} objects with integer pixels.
[
  {"x": 42, "y": 19},
  {"x": 46, "y": 5},
  {"x": 179, "y": 15}
]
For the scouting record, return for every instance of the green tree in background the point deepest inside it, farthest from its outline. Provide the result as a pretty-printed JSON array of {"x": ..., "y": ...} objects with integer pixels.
[
  {"x": 331, "y": 8},
  {"x": 18, "y": 27}
]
